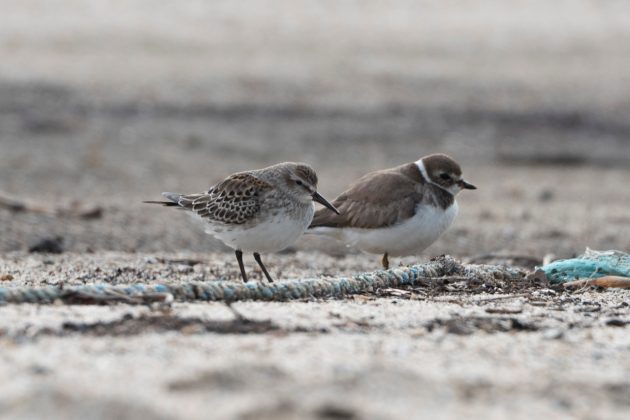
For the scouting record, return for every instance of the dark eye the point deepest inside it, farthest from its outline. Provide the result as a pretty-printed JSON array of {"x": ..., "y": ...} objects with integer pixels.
[
  {"x": 299, "y": 182},
  {"x": 445, "y": 177}
]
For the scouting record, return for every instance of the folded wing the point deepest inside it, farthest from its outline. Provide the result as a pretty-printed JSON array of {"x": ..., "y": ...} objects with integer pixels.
[
  {"x": 235, "y": 201},
  {"x": 379, "y": 199}
]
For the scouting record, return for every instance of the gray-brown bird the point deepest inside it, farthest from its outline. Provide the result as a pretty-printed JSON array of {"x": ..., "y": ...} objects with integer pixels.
[{"x": 398, "y": 211}]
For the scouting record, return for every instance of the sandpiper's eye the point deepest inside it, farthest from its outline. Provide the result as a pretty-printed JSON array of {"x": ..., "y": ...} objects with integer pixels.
[
  {"x": 299, "y": 182},
  {"x": 445, "y": 177}
]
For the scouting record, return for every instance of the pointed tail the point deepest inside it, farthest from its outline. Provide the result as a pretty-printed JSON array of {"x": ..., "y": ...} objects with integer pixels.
[{"x": 173, "y": 197}]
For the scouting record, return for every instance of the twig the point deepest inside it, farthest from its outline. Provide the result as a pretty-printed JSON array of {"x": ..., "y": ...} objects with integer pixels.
[
  {"x": 238, "y": 316},
  {"x": 501, "y": 297},
  {"x": 511, "y": 311},
  {"x": 184, "y": 261},
  {"x": 113, "y": 296},
  {"x": 607, "y": 281},
  {"x": 17, "y": 206},
  {"x": 485, "y": 257},
  {"x": 486, "y": 299}
]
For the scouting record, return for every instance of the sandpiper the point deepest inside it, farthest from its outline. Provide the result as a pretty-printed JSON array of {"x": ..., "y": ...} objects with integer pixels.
[
  {"x": 263, "y": 210},
  {"x": 398, "y": 211}
]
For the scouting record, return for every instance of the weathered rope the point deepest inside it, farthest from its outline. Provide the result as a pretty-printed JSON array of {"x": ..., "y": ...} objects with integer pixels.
[{"x": 279, "y": 291}]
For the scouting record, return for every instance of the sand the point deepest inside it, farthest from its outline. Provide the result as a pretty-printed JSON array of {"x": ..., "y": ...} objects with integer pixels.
[{"x": 105, "y": 105}]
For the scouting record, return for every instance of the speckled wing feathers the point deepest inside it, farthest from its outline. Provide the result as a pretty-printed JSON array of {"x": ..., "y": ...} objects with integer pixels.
[{"x": 234, "y": 201}]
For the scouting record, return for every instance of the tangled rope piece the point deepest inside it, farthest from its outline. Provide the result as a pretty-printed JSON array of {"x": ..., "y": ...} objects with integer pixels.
[{"x": 280, "y": 291}]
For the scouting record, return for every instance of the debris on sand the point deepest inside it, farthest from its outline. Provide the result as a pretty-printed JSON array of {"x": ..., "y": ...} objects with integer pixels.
[
  {"x": 129, "y": 325},
  {"x": 52, "y": 245},
  {"x": 75, "y": 209},
  {"x": 607, "y": 281},
  {"x": 443, "y": 272},
  {"x": 591, "y": 265}
]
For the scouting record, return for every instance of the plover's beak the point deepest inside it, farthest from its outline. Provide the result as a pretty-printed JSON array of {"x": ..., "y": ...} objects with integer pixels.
[
  {"x": 465, "y": 185},
  {"x": 321, "y": 200}
]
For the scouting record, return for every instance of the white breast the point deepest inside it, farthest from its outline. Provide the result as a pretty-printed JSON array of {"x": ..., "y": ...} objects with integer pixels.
[
  {"x": 407, "y": 238},
  {"x": 271, "y": 234}
]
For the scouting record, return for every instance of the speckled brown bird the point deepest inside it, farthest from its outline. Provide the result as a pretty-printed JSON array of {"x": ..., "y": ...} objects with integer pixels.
[{"x": 263, "y": 210}]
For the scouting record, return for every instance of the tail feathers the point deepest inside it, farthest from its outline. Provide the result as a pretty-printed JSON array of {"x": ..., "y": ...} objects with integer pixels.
[
  {"x": 174, "y": 197},
  {"x": 164, "y": 203}
]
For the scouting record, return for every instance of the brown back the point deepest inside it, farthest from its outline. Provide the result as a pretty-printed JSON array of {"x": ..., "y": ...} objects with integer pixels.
[{"x": 378, "y": 199}]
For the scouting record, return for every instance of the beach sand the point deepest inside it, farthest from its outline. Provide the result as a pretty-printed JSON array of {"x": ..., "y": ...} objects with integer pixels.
[{"x": 104, "y": 106}]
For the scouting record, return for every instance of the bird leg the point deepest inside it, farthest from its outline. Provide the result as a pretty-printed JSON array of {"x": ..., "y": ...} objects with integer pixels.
[
  {"x": 385, "y": 262},
  {"x": 239, "y": 258},
  {"x": 262, "y": 266}
]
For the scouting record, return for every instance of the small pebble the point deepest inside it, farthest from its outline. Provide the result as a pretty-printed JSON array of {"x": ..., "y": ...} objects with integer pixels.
[
  {"x": 553, "y": 334},
  {"x": 546, "y": 194},
  {"x": 183, "y": 268},
  {"x": 544, "y": 292},
  {"x": 52, "y": 245}
]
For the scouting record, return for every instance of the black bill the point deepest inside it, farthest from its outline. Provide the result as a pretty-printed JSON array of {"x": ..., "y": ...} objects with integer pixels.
[
  {"x": 321, "y": 200},
  {"x": 465, "y": 185}
]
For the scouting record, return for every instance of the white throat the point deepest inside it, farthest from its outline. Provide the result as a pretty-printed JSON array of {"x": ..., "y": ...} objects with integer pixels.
[{"x": 425, "y": 175}]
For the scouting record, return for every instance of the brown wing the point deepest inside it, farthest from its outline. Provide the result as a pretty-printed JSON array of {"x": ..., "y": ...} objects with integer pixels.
[
  {"x": 378, "y": 199},
  {"x": 233, "y": 201}
]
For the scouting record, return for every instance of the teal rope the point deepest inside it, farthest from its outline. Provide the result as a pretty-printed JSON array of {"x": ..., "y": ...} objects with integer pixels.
[{"x": 233, "y": 291}]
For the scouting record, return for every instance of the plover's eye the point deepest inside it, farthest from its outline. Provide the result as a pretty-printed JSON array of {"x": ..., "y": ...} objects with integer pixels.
[
  {"x": 445, "y": 177},
  {"x": 299, "y": 182}
]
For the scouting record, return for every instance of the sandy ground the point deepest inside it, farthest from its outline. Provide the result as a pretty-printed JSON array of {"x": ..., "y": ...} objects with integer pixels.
[
  {"x": 103, "y": 105},
  {"x": 396, "y": 354}
]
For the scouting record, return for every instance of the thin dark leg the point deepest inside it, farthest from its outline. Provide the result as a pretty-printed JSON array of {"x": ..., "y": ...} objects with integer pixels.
[
  {"x": 262, "y": 266},
  {"x": 239, "y": 258},
  {"x": 385, "y": 262}
]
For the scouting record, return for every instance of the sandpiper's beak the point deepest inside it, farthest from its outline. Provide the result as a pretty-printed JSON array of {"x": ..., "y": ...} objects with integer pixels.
[
  {"x": 465, "y": 185},
  {"x": 321, "y": 200}
]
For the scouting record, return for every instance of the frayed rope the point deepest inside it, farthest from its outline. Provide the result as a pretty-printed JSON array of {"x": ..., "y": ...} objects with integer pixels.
[{"x": 279, "y": 291}]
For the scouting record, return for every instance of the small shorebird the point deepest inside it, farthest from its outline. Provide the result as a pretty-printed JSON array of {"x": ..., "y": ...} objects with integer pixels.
[
  {"x": 398, "y": 211},
  {"x": 263, "y": 210}
]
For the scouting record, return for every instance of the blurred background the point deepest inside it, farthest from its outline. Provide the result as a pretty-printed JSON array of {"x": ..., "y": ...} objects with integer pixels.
[{"x": 106, "y": 104}]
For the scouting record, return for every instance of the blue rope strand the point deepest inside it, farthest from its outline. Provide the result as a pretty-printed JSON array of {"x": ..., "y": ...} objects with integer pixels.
[{"x": 235, "y": 291}]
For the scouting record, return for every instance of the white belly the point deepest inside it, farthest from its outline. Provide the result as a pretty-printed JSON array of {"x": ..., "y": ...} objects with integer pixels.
[
  {"x": 408, "y": 238},
  {"x": 270, "y": 235}
]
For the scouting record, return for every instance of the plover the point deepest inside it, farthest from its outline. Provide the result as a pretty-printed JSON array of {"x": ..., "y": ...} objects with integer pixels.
[
  {"x": 398, "y": 211},
  {"x": 263, "y": 210}
]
